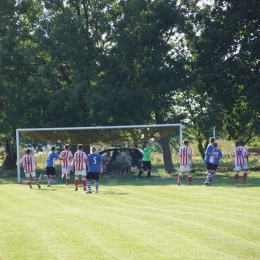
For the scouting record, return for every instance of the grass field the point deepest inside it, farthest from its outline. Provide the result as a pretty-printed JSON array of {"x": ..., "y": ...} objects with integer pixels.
[{"x": 131, "y": 219}]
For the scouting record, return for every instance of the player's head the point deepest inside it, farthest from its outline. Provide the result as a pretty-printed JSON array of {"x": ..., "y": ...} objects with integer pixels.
[
  {"x": 93, "y": 149},
  {"x": 108, "y": 153},
  {"x": 66, "y": 146},
  {"x": 211, "y": 139},
  {"x": 185, "y": 142},
  {"x": 80, "y": 146},
  {"x": 28, "y": 151},
  {"x": 53, "y": 148},
  {"x": 215, "y": 145},
  {"x": 241, "y": 143}
]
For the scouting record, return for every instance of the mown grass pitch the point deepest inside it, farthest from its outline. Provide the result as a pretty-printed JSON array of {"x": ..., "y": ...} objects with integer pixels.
[{"x": 131, "y": 219}]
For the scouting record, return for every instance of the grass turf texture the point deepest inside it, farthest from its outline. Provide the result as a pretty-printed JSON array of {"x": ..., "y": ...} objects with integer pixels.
[{"x": 131, "y": 219}]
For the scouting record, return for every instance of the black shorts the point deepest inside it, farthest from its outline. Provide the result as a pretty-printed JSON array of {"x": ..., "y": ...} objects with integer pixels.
[
  {"x": 215, "y": 167},
  {"x": 50, "y": 171},
  {"x": 93, "y": 176},
  {"x": 147, "y": 165},
  {"x": 210, "y": 166}
]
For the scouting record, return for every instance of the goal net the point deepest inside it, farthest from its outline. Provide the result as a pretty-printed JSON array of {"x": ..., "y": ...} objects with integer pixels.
[{"x": 102, "y": 137}]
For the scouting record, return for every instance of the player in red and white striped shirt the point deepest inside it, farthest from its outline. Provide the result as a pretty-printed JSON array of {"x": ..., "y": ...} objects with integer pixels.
[
  {"x": 185, "y": 154},
  {"x": 80, "y": 162},
  {"x": 66, "y": 164},
  {"x": 29, "y": 164},
  {"x": 241, "y": 156}
]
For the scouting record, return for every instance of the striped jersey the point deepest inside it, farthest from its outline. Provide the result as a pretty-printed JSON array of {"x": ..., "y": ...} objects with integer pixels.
[
  {"x": 29, "y": 163},
  {"x": 185, "y": 155},
  {"x": 240, "y": 154},
  {"x": 67, "y": 155},
  {"x": 80, "y": 158}
]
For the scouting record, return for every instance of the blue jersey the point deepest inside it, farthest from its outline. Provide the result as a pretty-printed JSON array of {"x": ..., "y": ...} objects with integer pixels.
[
  {"x": 218, "y": 155},
  {"x": 51, "y": 159},
  {"x": 209, "y": 158},
  {"x": 94, "y": 160}
]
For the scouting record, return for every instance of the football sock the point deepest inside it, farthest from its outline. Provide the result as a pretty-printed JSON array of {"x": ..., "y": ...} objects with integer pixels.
[
  {"x": 148, "y": 174},
  {"x": 67, "y": 180},
  {"x": 84, "y": 182},
  {"x": 209, "y": 178},
  {"x": 36, "y": 180},
  {"x": 140, "y": 172},
  {"x": 50, "y": 181},
  {"x": 180, "y": 176},
  {"x": 29, "y": 183},
  {"x": 89, "y": 185},
  {"x": 236, "y": 177},
  {"x": 189, "y": 179},
  {"x": 96, "y": 184},
  {"x": 245, "y": 175},
  {"x": 76, "y": 182}
]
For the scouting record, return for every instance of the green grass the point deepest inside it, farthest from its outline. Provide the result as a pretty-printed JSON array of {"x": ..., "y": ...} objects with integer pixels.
[{"x": 132, "y": 219}]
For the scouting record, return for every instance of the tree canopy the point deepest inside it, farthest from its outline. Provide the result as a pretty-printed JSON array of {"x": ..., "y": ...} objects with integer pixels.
[{"x": 89, "y": 63}]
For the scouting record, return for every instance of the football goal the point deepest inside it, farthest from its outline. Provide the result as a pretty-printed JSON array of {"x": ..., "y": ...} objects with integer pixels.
[{"x": 101, "y": 136}]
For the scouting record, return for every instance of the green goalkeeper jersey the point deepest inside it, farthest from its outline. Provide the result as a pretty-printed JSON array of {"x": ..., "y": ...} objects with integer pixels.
[{"x": 147, "y": 153}]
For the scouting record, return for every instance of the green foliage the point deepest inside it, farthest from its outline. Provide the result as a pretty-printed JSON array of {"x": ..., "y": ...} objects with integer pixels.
[{"x": 82, "y": 63}]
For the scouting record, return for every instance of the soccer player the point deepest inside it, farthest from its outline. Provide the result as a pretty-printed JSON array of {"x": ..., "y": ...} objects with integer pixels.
[
  {"x": 241, "y": 156},
  {"x": 217, "y": 156},
  {"x": 209, "y": 159},
  {"x": 50, "y": 165},
  {"x": 146, "y": 161},
  {"x": 80, "y": 160},
  {"x": 29, "y": 165},
  {"x": 95, "y": 166},
  {"x": 66, "y": 164},
  {"x": 185, "y": 155}
]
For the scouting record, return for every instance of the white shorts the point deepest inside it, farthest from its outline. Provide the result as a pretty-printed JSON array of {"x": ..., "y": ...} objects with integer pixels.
[
  {"x": 81, "y": 172},
  {"x": 27, "y": 174},
  {"x": 185, "y": 168},
  {"x": 65, "y": 169},
  {"x": 240, "y": 167}
]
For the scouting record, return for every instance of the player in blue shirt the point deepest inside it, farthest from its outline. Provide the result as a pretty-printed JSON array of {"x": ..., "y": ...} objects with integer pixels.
[
  {"x": 50, "y": 165},
  {"x": 217, "y": 156},
  {"x": 209, "y": 159},
  {"x": 95, "y": 166}
]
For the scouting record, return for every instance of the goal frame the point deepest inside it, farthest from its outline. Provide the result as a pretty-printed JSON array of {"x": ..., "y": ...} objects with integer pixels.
[{"x": 181, "y": 127}]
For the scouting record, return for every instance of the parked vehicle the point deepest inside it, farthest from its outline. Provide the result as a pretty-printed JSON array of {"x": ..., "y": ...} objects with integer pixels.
[{"x": 136, "y": 154}]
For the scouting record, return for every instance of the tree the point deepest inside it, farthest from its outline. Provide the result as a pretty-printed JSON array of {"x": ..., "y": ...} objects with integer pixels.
[
  {"x": 141, "y": 66},
  {"x": 225, "y": 63}
]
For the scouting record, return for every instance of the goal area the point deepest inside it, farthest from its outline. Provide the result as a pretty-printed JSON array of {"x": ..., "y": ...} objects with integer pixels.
[{"x": 100, "y": 136}]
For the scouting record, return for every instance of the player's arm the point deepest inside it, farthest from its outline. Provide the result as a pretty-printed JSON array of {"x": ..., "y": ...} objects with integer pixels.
[{"x": 101, "y": 166}]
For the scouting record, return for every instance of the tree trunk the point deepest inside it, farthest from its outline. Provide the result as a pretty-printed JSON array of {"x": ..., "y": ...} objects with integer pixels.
[
  {"x": 167, "y": 156},
  {"x": 165, "y": 142},
  {"x": 10, "y": 158}
]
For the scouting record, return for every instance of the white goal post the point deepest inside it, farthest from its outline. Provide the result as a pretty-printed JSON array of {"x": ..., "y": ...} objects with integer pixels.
[{"x": 27, "y": 131}]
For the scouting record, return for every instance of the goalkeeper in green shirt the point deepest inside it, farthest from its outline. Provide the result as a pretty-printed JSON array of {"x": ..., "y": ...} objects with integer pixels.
[{"x": 146, "y": 161}]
